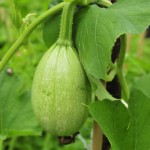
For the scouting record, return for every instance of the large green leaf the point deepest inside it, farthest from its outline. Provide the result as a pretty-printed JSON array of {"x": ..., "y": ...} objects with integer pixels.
[
  {"x": 16, "y": 116},
  {"x": 113, "y": 119},
  {"x": 138, "y": 134},
  {"x": 98, "y": 28}
]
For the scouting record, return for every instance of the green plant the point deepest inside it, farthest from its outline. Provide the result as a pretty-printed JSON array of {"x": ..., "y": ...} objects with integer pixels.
[{"x": 96, "y": 26}]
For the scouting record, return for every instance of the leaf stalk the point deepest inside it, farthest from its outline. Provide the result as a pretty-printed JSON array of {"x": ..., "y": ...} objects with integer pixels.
[{"x": 120, "y": 76}]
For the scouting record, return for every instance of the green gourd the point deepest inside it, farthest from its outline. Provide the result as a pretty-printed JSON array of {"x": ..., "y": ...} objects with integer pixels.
[{"x": 61, "y": 89}]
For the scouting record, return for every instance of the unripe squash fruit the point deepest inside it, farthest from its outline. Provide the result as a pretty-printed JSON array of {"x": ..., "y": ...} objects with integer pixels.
[{"x": 60, "y": 91}]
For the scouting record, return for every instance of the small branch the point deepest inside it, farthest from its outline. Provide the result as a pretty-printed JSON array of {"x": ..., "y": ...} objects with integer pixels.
[
  {"x": 97, "y": 137},
  {"x": 122, "y": 51},
  {"x": 123, "y": 84},
  {"x": 27, "y": 32},
  {"x": 120, "y": 76}
]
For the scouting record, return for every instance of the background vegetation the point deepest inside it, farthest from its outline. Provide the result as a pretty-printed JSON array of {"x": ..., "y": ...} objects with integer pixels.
[{"x": 14, "y": 18}]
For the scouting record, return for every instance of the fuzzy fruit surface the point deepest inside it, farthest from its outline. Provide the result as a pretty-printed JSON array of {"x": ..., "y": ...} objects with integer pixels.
[{"x": 60, "y": 90}]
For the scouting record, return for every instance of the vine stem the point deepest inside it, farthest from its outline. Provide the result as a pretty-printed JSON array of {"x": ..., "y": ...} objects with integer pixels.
[
  {"x": 97, "y": 137},
  {"x": 27, "y": 32},
  {"x": 120, "y": 76}
]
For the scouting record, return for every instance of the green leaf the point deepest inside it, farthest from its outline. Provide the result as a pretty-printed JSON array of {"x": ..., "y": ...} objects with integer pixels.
[
  {"x": 51, "y": 29},
  {"x": 138, "y": 134},
  {"x": 99, "y": 90},
  {"x": 16, "y": 116},
  {"x": 96, "y": 30},
  {"x": 143, "y": 84},
  {"x": 113, "y": 117}
]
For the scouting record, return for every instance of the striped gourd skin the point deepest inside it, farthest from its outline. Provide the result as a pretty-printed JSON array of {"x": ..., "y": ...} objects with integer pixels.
[{"x": 60, "y": 90}]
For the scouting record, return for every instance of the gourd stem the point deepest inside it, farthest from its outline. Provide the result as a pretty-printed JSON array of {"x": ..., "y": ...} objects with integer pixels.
[
  {"x": 66, "y": 23},
  {"x": 27, "y": 32},
  {"x": 120, "y": 76}
]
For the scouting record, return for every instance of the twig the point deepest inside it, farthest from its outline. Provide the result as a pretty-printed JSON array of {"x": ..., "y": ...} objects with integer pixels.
[{"x": 97, "y": 137}]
